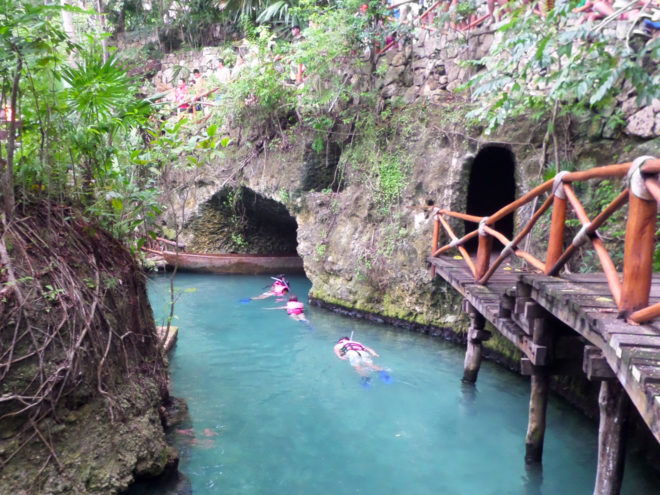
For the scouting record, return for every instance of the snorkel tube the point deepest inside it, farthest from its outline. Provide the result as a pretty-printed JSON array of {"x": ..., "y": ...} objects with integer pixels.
[{"x": 281, "y": 279}]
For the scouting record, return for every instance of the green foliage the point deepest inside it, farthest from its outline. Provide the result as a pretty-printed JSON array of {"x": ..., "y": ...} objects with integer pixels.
[
  {"x": 85, "y": 138},
  {"x": 278, "y": 12},
  {"x": 51, "y": 293},
  {"x": 131, "y": 14},
  {"x": 260, "y": 93},
  {"x": 539, "y": 63},
  {"x": 376, "y": 162}
]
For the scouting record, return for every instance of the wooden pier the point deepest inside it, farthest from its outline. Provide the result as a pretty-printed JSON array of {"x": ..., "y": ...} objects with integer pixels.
[{"x": 604, "y": 325}]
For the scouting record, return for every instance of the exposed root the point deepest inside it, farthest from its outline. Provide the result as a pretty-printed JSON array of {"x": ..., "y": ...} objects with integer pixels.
[{"x": 63, "y": 293}]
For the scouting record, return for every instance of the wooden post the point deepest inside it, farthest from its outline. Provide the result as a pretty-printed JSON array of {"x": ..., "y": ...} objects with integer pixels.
[
  {"x": 434, "y": 243},
  {"x": 483, "y": 255},
  {"x": 556, "y": 241},
  {"x": 538, "y": 397},
  {"x": 538, "y": 402},
  {"x": 638, "y": 253},
  {"x": 476, "y": 335},
  {"x": 614, "y": 405}
]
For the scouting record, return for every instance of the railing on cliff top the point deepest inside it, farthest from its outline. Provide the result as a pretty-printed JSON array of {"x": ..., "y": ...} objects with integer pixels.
[{"x": 642, "y": 192}]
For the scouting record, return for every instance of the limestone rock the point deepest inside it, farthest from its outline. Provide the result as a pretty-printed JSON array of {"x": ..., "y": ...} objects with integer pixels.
[
  {"x": 641, "y": 124},
  {"x": 629, "y": 106},
  {"x": 399, "y": 59},
  {"x": 389, "y": 91},
  {"x": 655, "y": 104},
  {"x": 421, "y": 63},
  {"x": 393, "y": 74},
  {"x": 410, "y": 95},
  {"x": 419, "y": 77}
]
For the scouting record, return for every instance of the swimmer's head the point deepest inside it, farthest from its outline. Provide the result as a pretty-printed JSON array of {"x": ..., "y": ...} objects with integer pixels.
[
  {"x": 293, "y": 297},
  {"x": 342, "y": 340}
]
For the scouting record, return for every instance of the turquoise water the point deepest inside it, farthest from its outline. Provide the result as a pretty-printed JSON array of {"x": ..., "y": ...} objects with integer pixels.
[{"x": 273, "y": 411}]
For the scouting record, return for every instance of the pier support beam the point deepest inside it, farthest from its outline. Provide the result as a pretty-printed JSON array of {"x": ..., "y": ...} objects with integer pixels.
[
  {"x": 614, "y": 406},
  {"x": 538, "y": 404},
  {"x": 476, "y": 335},
  {"x": 539, "y": 390}
]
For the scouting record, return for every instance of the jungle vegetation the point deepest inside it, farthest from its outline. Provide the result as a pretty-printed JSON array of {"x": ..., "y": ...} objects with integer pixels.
[{"x": 83, "y": 132}]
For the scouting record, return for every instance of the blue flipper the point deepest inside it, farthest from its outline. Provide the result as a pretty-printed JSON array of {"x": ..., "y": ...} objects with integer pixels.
[
  {"x": 652, "y": 24},
  {"x": 365, "y": 382},
  {"x": 385, "y": 377},
  {"x": 244, "y": 301}
]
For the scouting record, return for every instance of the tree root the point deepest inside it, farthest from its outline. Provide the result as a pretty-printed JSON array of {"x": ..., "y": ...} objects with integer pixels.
[{"x": 65, "y": 288}]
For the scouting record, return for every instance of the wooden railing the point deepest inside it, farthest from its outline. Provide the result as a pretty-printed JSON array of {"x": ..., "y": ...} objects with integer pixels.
[{"x": 631, "y": 291}]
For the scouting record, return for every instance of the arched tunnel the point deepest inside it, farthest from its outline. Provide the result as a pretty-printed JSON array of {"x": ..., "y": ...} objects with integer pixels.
[
  {"x": 239, "y": 220},
  {"x": 491, "y": 186}
]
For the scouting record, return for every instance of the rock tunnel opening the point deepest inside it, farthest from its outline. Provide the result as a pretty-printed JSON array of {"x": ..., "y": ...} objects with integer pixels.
[
  {"x": 239, "y": 220},
  {"x": 491, "y": 186}
]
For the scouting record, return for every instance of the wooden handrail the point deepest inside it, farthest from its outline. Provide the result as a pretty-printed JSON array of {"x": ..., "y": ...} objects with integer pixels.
[
  {"x": 422, "y": 16},
  {"x": 653, "y": 185},
  {"x": 462, "y": 216},
  {"x": 638, "y": 253},
  {"x": 598, "y": 221},
  {"x": 516, "y": 240},
  {"x": 630, "y": 292},
  {"x": 436, "y": 237},
  {"x": 604, "y": 172},
  {"x": 651, "y": 166},
  {"x": 523, "y": 200},
  {"x": 462, "y": 250},
  {"x": 461, "y": 241},
  {"x": 606, "y": 262},
  {"x": 646, "y": 314},
  {"x": 518, "y": 252}
]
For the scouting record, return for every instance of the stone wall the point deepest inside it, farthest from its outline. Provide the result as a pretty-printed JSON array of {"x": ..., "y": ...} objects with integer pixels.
[
  {"x": 429, "y": 67},
  {"x": 356, "y": 257}
]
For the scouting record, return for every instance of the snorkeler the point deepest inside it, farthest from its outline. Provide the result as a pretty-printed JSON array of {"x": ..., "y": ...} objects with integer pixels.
[
  {"x": 294, "y": 308},
  {"x": 279, "y": 288},
  {"x": 357, "y": 354}
]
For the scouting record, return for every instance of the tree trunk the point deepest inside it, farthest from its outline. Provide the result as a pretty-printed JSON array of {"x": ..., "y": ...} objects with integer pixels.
[
  {"x": 8, "y": 182},
  {"x": 67, "y": 22},
  {"x": 104, "y": 40}
]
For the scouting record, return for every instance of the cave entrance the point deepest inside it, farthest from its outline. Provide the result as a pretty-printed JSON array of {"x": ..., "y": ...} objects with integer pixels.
[
  {"x": 239, "y": 220},
  {"x": 491, "y": 186}
]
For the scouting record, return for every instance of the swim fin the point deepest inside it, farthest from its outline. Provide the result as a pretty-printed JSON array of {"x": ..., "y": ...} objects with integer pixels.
[
  {"x": 385, "y": 377},
  {"x": 365, "y": 382},
  {"x": 244, "y": 301}
]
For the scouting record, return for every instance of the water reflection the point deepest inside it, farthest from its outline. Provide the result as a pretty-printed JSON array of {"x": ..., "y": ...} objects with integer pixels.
[{"x": 533, "y": 479}]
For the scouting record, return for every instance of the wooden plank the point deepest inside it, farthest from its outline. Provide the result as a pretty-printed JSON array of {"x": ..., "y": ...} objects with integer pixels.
[
  {"x": 617, "y": 341},
  {"x": 652, "y": 390},
  {"x": 630, "y": 354},
  {"x": 595, "y": 365},
  {"x": 645, "y": 373},
  {"x": 584, "y": 305},
  {"x": 610, "y": 327}
]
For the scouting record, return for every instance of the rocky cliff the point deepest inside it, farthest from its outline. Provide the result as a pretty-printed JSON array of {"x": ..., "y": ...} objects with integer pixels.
[
  {"x": 362, "y": 201},
  {"x": 83, "y": 381}
]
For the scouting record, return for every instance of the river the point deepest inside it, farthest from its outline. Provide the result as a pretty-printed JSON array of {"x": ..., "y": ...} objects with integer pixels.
[{"x": 274, "y": 411}]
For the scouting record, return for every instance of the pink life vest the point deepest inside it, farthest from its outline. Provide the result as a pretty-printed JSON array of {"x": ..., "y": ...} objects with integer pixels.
[
  {"x": 294, "y": 307},
  {"x": 351, "y": 345},
  {"x": 279, "y": 288}
]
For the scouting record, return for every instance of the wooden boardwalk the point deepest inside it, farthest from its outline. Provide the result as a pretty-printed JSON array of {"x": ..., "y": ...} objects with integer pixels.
[
  {"x": 601, "y": 325},
  {"x": 585, "y": 333}
]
